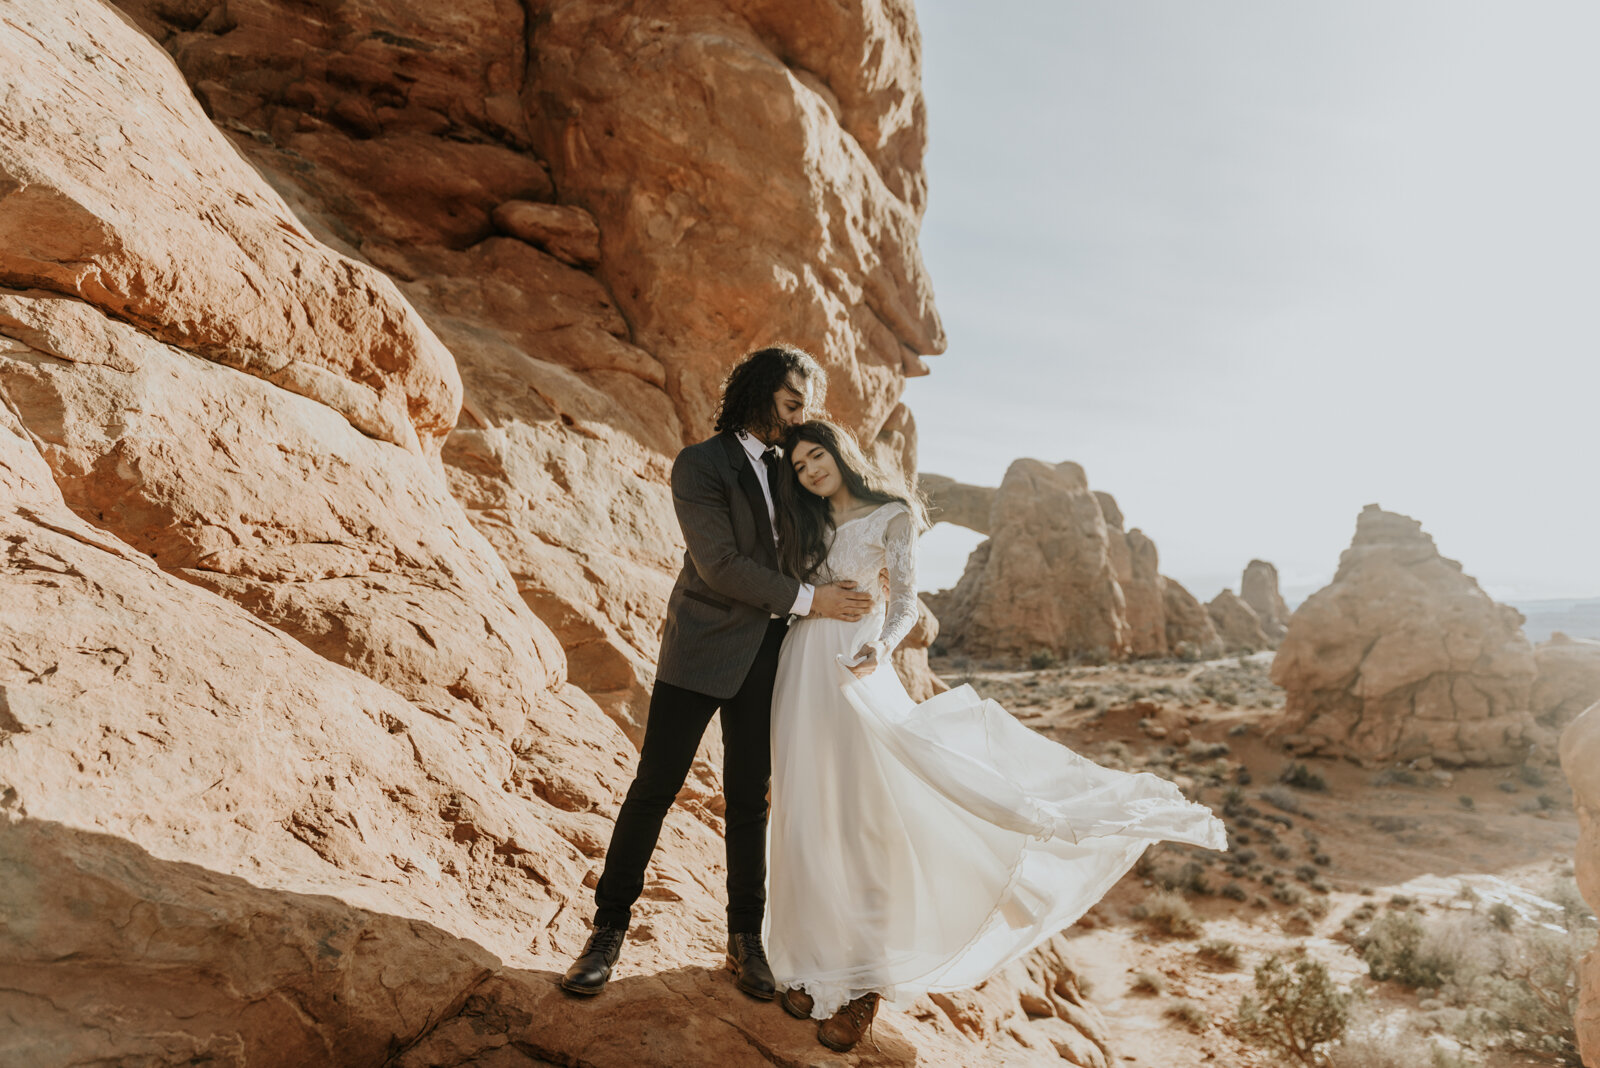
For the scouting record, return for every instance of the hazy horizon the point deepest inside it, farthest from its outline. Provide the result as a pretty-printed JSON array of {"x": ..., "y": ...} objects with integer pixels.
[{"x": 1256, "y": 267}]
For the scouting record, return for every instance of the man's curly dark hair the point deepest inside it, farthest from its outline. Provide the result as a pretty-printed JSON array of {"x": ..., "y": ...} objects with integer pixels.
[{"x": 748, "y": 390}]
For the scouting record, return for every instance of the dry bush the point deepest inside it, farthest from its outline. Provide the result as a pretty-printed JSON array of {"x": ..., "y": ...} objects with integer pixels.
[
  {"x": 1295, "y": 1011},
  {"x": 1219, "y": 953},
  {"x": 1287, "y": 894},
  {"x": 1149, "y": 983},
  {"x": 1518, "y": 988},
  {"x": 1399, "y": 947},
  {"x": 1280, "y": 797},
  {"x": 1528, "y": 1002},
  {"x": 1302, "y": 778},
  {"x": 1188, "y": 1014},
  {"x": 1167, "y": 913},
  {"x": 1299, "y": 922},
  {"x": 1374, "y": 1042}
]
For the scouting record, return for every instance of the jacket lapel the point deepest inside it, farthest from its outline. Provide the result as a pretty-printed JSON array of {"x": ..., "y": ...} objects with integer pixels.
[{"x": 746, "y": 476}]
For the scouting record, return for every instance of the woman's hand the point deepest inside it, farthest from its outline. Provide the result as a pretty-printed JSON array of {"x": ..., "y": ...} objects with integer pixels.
[{"x": 867, "y": 657}]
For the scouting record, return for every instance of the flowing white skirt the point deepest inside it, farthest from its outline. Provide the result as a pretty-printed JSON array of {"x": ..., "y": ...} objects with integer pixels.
[{"x": 919, "y": 848}]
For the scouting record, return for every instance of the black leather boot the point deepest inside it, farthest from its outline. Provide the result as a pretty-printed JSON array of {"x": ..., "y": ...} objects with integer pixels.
[
  {"x": 751, "y": 972},
  {"x": 588, "y": 974}
]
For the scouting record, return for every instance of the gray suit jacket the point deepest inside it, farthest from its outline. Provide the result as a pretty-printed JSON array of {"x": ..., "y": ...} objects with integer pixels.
[{"x": 730, "y": 585}]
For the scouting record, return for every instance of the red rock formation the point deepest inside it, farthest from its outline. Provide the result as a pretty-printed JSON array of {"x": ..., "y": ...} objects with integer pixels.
[
  {"x": 1044, "y": 581},
  {"x": 1237, "y": 624},
  {"x": 1053, "y": 551},
  {"x": 415, "y": 132},
  {"x": 1258, "y": 588},
  {"x": 1189, "y": 626},
  {"x": 1136, "y": 563},
  {"x": 1404, "y": 656},
  {"x": 289, "y": 765},
  {"x": 960, "y": 503},
  {"x": 1580, "y": 760}
]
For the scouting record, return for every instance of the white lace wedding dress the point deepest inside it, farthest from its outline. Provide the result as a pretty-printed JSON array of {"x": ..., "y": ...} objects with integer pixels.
[{"x": 922, "y": 847}]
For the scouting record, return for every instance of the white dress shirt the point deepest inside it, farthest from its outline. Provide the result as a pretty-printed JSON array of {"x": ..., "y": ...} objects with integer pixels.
[{"x": 757, "y": 451}]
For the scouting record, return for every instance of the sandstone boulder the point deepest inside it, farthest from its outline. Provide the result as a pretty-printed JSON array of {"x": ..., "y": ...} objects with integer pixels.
[
  {"x": 1258, "y": 588},
  {"x": 1237, "y": 623},
  {"x": 1568, "y": 679},
  {"x": 1404, "y": 656},
  {"x": 1044, "y": 581},
  {"x": 193, "y": 248},
  {"x": 1188, "y": 624},
  {"x": 1047, "y": 543},
  {"x": 1580, "y": 760}
]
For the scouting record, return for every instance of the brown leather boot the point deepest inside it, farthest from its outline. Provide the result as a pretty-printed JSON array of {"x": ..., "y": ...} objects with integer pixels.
[
  {"x": 841, "y": 1031},
  {"x": 797, "y": 1003}
]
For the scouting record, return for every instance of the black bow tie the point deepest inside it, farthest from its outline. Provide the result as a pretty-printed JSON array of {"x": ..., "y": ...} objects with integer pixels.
[{"x": 770, "y": 458}]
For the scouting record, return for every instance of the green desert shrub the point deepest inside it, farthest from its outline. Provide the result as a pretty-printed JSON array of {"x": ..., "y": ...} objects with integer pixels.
[
  {"x": 1526, "y": 1001},
  {"x": 1295, "y": 1011},
  {"x": 1301, "y": 777},
  {"x": 1393, "y": 949},
  {"x": 1516, "y": 987}
]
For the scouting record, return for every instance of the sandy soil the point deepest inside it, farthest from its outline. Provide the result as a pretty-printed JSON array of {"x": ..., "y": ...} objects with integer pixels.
[{"x": 1415, "y": 835}]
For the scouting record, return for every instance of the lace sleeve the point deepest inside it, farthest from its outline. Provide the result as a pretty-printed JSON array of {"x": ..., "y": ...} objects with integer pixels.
[{"x": 900, "y": 558}]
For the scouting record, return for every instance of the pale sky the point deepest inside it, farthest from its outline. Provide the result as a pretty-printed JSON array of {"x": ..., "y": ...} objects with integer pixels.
[{"x": 1255, "y": 265}]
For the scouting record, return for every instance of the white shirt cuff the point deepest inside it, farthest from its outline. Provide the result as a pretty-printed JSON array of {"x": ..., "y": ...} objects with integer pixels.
[{"x": 802, "y": 601}]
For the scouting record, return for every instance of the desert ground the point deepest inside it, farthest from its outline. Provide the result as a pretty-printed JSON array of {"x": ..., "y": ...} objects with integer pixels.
[{"x": 1310, "y": 869}]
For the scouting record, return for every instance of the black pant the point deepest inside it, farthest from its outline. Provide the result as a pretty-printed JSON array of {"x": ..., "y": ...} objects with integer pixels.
[{"x": 678, "y": 718}]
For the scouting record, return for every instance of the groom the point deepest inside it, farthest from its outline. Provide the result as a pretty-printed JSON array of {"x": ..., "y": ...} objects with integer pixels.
[{"x": 726, "y": 619}]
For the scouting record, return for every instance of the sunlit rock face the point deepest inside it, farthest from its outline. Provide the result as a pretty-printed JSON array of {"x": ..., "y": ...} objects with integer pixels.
[
  {"x": 598, "y": 212},
  {"x": 343, "y": 350},
  {"x": 1403, "y": 655}
]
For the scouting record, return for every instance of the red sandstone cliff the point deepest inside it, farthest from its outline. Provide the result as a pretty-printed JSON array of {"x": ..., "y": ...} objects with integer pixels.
[{"x": 343, "y": 350}]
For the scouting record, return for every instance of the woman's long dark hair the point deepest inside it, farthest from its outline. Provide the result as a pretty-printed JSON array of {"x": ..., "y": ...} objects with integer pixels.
[
  {"x": 748, "y": 390},
  {"x": 804, "y": 519}
]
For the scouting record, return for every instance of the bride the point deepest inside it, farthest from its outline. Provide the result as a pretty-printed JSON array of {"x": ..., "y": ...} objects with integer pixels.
[{"x": 916, "y": 847}]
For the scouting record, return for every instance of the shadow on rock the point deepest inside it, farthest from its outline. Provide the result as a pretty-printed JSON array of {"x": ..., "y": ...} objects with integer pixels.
[{"x": 665, "y": 1020}]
